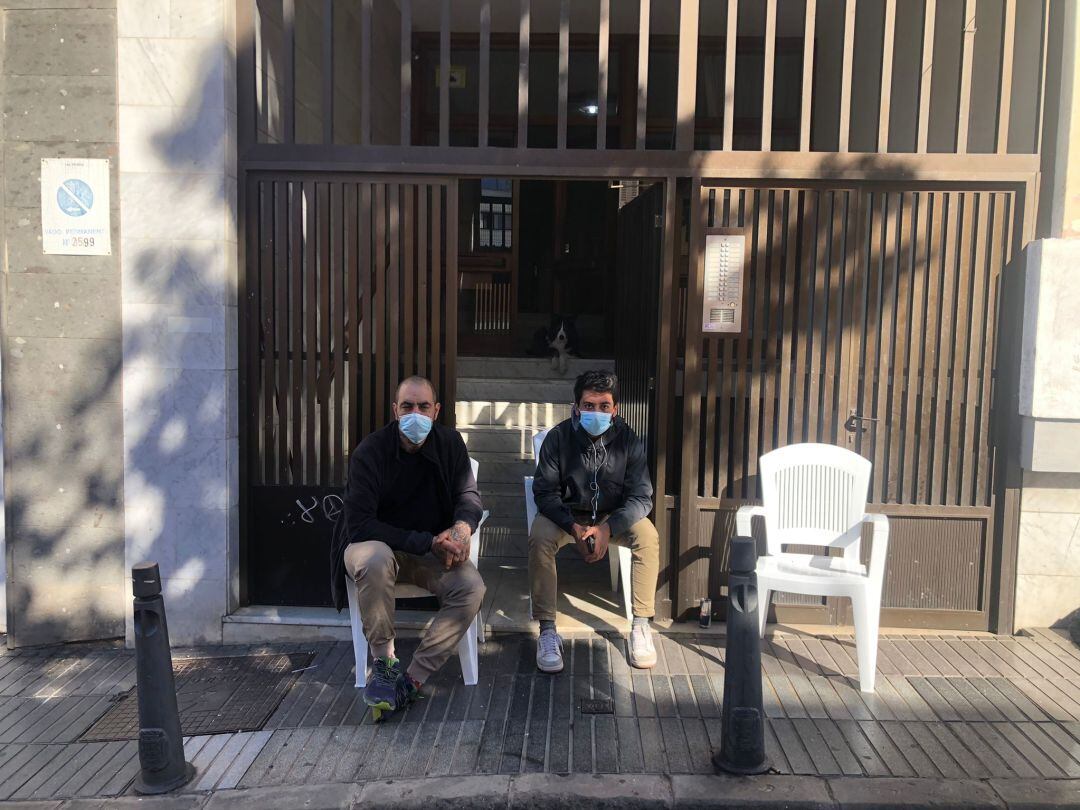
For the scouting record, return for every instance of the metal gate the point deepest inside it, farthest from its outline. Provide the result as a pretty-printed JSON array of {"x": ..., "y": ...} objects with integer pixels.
[
  {"x": 870, "y": 324},
  {"x": 349, "y": 285}
]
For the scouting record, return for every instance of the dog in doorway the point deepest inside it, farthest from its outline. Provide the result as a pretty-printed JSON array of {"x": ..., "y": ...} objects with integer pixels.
[{"x": 558, "y": 340}]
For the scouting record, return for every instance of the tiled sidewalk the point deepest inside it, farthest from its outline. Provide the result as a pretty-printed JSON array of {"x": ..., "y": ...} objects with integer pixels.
[{"x": 945, "y": 707}]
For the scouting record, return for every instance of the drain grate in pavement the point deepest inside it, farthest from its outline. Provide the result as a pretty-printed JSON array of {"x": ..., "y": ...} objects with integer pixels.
[{"x": 214, "y": 696}]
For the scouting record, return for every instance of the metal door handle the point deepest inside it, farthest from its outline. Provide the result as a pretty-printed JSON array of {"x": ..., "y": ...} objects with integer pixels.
[{"x": 854, "y": 417}]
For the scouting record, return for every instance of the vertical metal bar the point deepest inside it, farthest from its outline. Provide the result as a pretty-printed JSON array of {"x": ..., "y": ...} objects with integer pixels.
[
  {"x": 325, "y": 368},
  {"x": 729, "y": 72},
  {"x": 328, "y": 71},
  {"x": 337, "y": 321},
  {"x": 564, "y": 70},
  {"x": 245, "y": 73},
  {"x": 288, "y": 11},
  {"x": 378, "y": 301},
  {"x": 311, "y": 323},
  {"x": 664, "y": 343},
  {"x": 807, "y": 76},
  {"x": 408, "y": 246},
  {"x": 523, "y": 76},
  {"x": 449, "y": 394},
  {"x": 405, "y": 136},
  {"x": 278, "y": 336},
  {"x": 691, "y": 579},
  {"x": 687, "y": 89},
  {"x": 393, "y": 285},
  {"x": 365, "y": 72},
  {"x": 365, "y": 242},
  {"x": 886, "y": 351},
  {"x": 770, "y": 69},
  {"x": 296, "y": 326},
  {"x": 965, "y": 77},
  {"x": 887, "y": 49},
  {"x": 422, "y": 280},
  {"x": 946, "y": 342},
  {"x": 444, "y": 74},
  {"x": 1008, "y": 48},
  {"x": 926, "y": 75},
  {"x": 437, "y": 244},
  {"x": 790, "y": 280},
  {"x": 975, "y": 443},
  {"x": 485, "y": 71},
  {"x": 934, "y": 249},
  {"x": 845, "y": 78},
  {"x": 1042, "y": 84},
  {"x": 773, "y": 321},
  {"x": 353, "y": 245},
  {"x": 859, "y": 289},
  {"x": 898, "y": 426},
  {"x": 916, "y": 351},
  {"x": 602, "y": 74},
  {"x": 644, "y": 17},
  {"x": 266, "y": 322},
  {"x": 958, "y": 352}
]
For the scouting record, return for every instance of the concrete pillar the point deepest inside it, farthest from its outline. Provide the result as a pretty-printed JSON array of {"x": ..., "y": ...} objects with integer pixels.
[
  {"x": 177, "y": 123},
  {"x": 63, "y": 488},
  {"x": 1048, "y": 558}
]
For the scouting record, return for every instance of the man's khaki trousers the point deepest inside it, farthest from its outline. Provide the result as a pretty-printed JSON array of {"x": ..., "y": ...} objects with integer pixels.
[
  {"x": 546, "y": 539},
  {"x": 376, "y": 568}
]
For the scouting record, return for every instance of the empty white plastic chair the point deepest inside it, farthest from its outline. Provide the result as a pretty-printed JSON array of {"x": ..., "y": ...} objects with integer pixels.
[
  {"x": 619, "y": 557},
  {"x": 468, "y": 650},
  {"x": 815, "y": 495}
]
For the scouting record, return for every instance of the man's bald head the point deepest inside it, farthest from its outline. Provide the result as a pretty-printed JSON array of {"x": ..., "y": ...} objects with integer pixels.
[{"x": 416, "y": 381}]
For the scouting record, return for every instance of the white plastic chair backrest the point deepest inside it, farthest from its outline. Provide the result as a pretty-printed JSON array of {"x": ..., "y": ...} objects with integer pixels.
[
  {"x": 530, "y": 504},
  {"x": 812, "y": 493},
  {"x": 538, "y": 442},
  {"x": 474, "y": 549}
]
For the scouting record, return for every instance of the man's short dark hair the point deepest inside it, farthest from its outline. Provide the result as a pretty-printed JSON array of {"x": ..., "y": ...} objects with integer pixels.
[
  {"x": 600, "y": 381},
  {"x": 416, "y": 378}
]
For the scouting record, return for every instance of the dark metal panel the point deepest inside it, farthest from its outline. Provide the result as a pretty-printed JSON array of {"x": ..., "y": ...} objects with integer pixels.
[{"x": 935, "y": 564}]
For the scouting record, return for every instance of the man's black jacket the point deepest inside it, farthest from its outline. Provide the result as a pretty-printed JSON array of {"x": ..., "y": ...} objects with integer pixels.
[
  {"x": 564, "y": 473},
  {"x": 373, "y": 472}
]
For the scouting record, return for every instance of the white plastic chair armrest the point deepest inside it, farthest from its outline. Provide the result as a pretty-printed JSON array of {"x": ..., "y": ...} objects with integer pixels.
[
  {"x": 880, "y": 546},
  {"x": 744, "y": 519},
  {"x": 474, "y": 544},
  {"x": 851, "y": 543}
]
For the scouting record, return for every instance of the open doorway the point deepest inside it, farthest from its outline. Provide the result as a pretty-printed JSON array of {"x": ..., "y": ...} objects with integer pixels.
[{"x": 556, "y": 276}]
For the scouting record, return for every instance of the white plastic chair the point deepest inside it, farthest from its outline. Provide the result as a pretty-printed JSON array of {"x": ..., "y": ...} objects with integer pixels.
[
  {"x": 619, "y": 561},
  {"x": 468, "y": 650},
  {"x": 815, "y": 495}
]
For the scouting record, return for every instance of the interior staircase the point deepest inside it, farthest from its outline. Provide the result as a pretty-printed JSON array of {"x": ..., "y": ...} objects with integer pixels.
[{"x": 502, "y": 403}]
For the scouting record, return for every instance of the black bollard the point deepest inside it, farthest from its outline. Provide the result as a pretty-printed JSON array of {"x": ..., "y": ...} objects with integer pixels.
[
  {"x": 161, "y": 745},
  {"x": 742, "y": 739}
]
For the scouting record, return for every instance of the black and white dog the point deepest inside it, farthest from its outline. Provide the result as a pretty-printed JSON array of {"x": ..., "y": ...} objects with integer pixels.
[{"x": 558, "y": 340}]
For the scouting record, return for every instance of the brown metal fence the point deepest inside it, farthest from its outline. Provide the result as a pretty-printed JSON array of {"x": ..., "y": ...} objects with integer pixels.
[
  {"x": 350, "y": 285},
  {"x": 871, "y": 325}
]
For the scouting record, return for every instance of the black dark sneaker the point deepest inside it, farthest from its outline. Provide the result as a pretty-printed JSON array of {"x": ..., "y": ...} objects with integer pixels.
[
  {"x": 381, "y": 693},
  {"x": 407, "y": 693}
]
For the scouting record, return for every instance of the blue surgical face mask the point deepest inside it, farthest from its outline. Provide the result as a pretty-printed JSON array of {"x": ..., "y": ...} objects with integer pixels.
[
  {"x": 595, "y": 423},
  {"x": 415, "y": 426}
]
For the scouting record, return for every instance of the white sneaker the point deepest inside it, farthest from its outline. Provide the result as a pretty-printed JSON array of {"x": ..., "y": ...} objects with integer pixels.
[
  {"x": 549, "y": 652},
  {"x": 642, "y": 651}
]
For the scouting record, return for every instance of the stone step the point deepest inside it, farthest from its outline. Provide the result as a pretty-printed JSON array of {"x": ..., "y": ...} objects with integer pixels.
[
  {"x": 537, "y": 368},
  {"x": 511, "y": 414},
  {"x": 499, "y": 439},
  {"x": 531, "y": 390},
  {"x": 502, "y": 468},
  {"x": 504, "y": 500},
  {"x": 504, "y": 538}
]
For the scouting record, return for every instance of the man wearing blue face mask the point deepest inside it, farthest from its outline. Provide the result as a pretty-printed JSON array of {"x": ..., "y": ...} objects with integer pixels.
[
  {"x": 592, "y": 488},
  {"x": 411, "y": 507}
]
